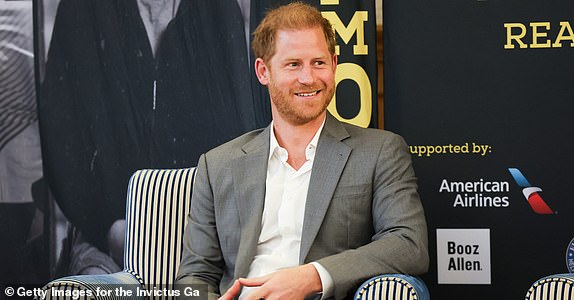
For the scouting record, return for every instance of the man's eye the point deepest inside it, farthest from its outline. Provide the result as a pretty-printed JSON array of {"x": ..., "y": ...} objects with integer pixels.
[{"x": 319, "y": 63}]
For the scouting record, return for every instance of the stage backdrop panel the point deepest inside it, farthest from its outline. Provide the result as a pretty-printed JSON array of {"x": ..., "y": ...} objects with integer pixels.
[{"x": 482, "y": 92}]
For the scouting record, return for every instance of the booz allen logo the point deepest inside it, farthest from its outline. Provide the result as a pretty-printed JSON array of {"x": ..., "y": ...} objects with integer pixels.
[{"x": 531, "y": 193}]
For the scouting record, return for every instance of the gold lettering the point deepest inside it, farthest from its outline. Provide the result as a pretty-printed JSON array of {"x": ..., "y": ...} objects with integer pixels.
[
  {"x": 516, "y": 32},
  {"x": 329, "y": 2},
  {"x": 346, "y": 32},
  {"x": 357, "y": 74},
  {"x": 536, "y": 35},
  {"x": 564, "y": 26},
  {"x": 517, "y": 37}
]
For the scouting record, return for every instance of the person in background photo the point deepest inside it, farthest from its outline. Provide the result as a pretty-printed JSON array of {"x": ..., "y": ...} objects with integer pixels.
[{"x": 125, "y": 89}]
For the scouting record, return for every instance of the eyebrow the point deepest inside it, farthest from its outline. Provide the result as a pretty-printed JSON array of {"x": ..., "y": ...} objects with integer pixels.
[{"x": 299, "y": 59}]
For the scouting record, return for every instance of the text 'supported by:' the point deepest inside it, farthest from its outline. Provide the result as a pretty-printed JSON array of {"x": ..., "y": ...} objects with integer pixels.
[{"x": 116, "y": 291}]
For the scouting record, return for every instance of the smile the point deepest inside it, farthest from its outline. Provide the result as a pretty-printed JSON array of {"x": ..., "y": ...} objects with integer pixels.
[{"x": 307, "y": 94}]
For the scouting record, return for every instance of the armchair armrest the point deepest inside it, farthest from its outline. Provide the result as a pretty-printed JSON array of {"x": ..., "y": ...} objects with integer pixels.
[
  {"x": 393, "y": 287},
  {"x": 553, "y": 287},
  {"x": 66, "y": 287}
]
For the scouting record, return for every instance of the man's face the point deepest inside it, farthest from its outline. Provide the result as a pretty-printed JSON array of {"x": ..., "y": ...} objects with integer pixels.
[{"x": 300, "y": 75}]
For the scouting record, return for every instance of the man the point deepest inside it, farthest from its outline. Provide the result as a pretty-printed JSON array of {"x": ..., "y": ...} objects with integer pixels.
[{"x": 307, "y": 206}]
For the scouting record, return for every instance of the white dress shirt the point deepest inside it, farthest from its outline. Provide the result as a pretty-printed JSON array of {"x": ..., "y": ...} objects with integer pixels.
[{"x": 279, "y": 243}]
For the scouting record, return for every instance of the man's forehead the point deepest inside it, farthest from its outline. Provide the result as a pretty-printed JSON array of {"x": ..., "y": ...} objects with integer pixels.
[
  {"x": 293, "y": 36},
  {"x": 297, "y": 29}
]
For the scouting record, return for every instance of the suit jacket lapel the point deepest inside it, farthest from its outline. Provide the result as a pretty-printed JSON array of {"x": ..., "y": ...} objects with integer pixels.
[
  {"x": 249, "y": 174},
  {"x": 330, "y": 159}
]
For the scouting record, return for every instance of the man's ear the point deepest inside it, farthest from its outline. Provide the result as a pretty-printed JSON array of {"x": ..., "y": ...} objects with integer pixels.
[
  {"x": 262, "y": 71},
  {"x": 335, "y": 62}
]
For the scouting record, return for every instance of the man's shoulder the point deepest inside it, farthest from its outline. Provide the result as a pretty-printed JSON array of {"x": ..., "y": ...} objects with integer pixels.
[
  {"x": 234, "y": 147},
  {"x": 371, "y": 135}
]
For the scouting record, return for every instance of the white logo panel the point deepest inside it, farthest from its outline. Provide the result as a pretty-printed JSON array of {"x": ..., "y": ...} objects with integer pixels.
[{"x": 463, "y": 256}]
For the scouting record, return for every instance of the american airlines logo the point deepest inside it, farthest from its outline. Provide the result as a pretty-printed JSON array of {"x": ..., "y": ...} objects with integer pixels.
[{"x": 531, "y": 193}]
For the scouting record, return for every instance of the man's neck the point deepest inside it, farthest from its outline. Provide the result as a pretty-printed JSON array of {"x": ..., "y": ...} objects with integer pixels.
[{"x": 295, "y": 138}]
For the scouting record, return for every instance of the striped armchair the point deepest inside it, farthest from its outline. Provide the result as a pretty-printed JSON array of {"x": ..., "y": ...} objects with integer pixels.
[
  {"x": 158, "y": 202},
  {"x": 156, "y": 211},
  {"x": 553, "y": 287}
]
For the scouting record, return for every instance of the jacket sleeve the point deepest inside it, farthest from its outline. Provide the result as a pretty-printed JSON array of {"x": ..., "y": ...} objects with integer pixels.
[
  {"x": 202, "y": 261},
  {"x": 399, "y": 243}
]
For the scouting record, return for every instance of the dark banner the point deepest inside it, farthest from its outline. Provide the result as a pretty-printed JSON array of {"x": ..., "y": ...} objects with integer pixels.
[{"x": 482, "y": 92}]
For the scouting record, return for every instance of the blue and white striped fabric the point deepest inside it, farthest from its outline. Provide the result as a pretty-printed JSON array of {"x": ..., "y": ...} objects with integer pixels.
[
  {"x": 157, "y": 207},
  {"x": 393, "y": 287},
  {"x": 554, "y": 287},
  {"x": 83, "y": 287}
]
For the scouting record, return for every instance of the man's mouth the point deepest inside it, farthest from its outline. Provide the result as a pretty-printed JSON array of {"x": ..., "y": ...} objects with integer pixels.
[{"x": 307, "y": 94}]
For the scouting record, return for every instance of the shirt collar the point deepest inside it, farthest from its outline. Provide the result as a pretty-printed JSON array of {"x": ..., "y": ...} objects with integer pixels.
[{"x": 281, "y": 153}]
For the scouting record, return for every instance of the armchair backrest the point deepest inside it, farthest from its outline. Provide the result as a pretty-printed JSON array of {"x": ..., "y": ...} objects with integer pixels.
[{"x": 158, "y": 203}]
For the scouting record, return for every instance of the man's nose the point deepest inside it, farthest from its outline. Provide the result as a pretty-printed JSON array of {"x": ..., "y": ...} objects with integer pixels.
[{"x": 306, "y": 75}]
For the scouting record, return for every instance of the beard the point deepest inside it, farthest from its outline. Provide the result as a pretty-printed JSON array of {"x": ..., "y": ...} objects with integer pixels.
[{"x": 301, "y": 111}]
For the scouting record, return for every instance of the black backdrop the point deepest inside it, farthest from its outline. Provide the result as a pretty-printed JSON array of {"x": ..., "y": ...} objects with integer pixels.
[{"x": 450, "y": 80}]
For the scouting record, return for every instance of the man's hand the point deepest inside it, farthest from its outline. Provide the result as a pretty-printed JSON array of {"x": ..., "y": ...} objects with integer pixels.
[
  {"x": 291, "y": 284},
  {"x": 232, "y": 291}
]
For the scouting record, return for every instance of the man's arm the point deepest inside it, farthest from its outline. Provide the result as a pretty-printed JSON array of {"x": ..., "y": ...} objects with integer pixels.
[
  {"x": 399, "y": 243},
  {"x": 202, "y": 261}
]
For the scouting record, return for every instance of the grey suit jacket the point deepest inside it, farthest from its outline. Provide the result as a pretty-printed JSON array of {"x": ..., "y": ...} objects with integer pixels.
[{"x": 363, "y": 216}]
